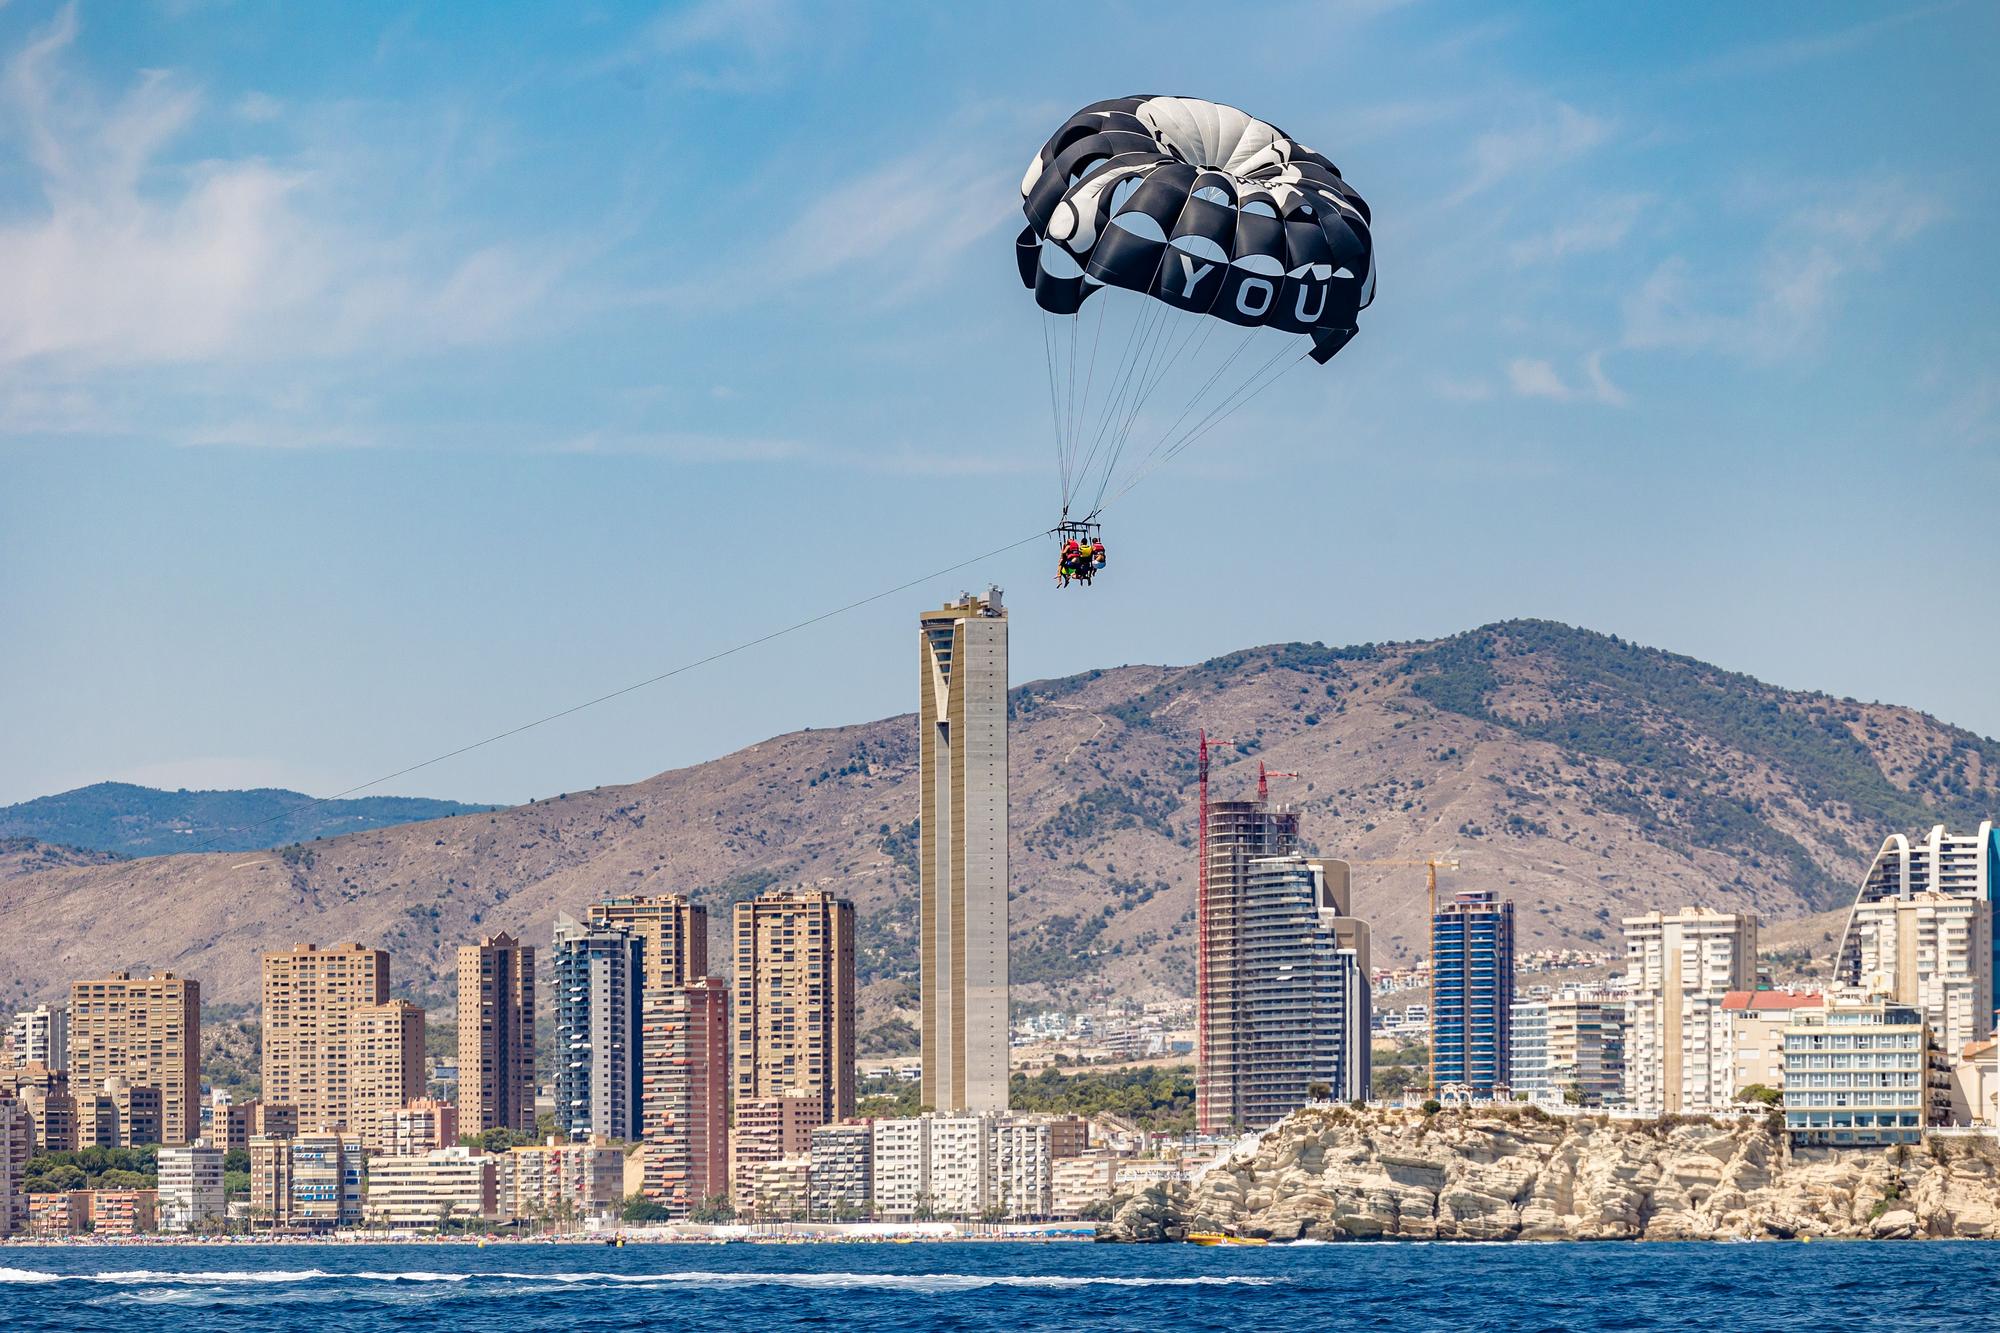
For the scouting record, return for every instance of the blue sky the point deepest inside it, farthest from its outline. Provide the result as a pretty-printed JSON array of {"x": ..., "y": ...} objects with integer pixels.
[{"x": 376, "y": 377}]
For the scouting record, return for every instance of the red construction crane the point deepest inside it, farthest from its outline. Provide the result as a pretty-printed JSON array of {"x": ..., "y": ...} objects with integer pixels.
[{"x": 1264, "y": 781}]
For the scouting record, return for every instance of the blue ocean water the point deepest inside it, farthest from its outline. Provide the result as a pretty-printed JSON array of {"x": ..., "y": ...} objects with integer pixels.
[{"x": 1827, "y": 1287}]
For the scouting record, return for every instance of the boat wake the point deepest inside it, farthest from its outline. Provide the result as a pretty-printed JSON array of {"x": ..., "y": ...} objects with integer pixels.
[{"x": 917, "y": 1282}]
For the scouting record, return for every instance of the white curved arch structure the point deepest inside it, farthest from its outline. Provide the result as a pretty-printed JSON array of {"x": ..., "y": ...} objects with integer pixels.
[{"x": 1921, "y": 931}]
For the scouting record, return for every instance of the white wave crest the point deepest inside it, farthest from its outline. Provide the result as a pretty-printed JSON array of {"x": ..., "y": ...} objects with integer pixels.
[{"x": 936, "y": 1282}]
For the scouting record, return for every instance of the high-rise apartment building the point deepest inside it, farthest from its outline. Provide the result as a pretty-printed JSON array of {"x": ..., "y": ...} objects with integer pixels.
[
  {"x": 314, "y": 1182},
  {"x": 902, "y": 1167},
  {"x": 599, "y": 982},
  {"x": 963, "y": 785},
  {"x": 40, "y": 1036},
  {"x": 16, "y": 1147},
  {"x": 1755, "y": 1023},
  {"x": 1298, "y": 994},
  {"x": 310, "y": 994},
  {"x": 795, "y": 1001},
  {"x": 686, "y": 1093},
  {"x": 416, "y": 1127},
  {"x": 1935, "y": 961},
  {"x": 385, "y": 1069},
  {"x": 255, "y": 1119},
  {"x": 146, "y": 1031},
  {"x": 963, "y": 1167},
  {"x": 1235, "y": 836},
  {"x": 1929, "y": 951},
  {"x": 54, "y": 1111},
  {"x": 673, "y": 929},
  {"x": 496, "y": 1035},
  {"x": 562, "y": 1182},
  {"x": 1680, "y": 968},
  {"x": 1528, "y": 1052},
  {"x": 1472, "y": 992},
  {"x": 1586, "y": 1047}
]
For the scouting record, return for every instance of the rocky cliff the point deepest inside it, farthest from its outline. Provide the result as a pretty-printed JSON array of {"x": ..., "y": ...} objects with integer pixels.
[{"x": 1330, "y": 1173}]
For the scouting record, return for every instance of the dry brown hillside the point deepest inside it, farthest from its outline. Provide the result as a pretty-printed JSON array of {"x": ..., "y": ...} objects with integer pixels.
[{"x": 1585, "y": 777}]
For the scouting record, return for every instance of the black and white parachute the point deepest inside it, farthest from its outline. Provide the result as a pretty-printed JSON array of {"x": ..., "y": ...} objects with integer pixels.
[{"x": 1206, "y": 214}]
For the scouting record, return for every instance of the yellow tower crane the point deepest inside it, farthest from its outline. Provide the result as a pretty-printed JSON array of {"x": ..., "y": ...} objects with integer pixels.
[{"x": 1431, "y": 864}]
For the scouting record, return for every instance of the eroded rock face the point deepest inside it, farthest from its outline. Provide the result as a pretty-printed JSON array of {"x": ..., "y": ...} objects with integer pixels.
[{"x": 1331, "y": 1173}]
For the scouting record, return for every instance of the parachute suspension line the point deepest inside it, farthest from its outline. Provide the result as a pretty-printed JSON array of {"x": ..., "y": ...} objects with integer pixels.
[
  {"x": 1090, "y": 374},
  {"x": 1135, "y": 342},
  {"x": 1162, "y": 365},
  {"x": 1263, "y": 379},
  {"x": 1055, "y": 412},
  {"x": 1200, "y": 394}
]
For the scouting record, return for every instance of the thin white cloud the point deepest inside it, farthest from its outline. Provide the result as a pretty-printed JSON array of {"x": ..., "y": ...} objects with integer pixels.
[
  {"x": 705, "y": 448},
  {"x": 1810, "y": 48},
  {"x": 1557, "y": 134},
  {"x": 1461, "y": 391},
  {"x": 715, "y": 46},
  {"x": 1811, "y": 257},
  {"x": 894, "y": 231},
  {"x": 259, "y": 108},
  {"x": 125, "y": 254},
  {"x": 1535, "y": 377},
  {"x": 1598, "y": 226}
]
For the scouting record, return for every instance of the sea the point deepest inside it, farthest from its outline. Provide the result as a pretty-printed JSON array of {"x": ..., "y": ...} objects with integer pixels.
[{"x": 1823, "y": 1286}]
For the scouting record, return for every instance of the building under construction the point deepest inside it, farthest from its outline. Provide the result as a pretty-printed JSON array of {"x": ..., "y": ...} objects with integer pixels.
[{"x": 1282, "y": 991}]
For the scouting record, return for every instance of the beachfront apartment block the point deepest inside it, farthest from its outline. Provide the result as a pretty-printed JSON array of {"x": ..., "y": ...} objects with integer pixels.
[
  {"x": 191, "y": 1192},
  {"x": 313, "y": 1182},
  {"x": 433, "y": 1189}
]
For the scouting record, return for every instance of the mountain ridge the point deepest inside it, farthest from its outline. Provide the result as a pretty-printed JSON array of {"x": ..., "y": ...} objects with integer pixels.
[
  {"x": 1578, "y": 774},
  {"x": 132, "y": 820}
]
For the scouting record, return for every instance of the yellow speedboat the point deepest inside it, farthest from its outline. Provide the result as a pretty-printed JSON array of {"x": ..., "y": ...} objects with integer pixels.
[{"x": 1221, "y": 1238}]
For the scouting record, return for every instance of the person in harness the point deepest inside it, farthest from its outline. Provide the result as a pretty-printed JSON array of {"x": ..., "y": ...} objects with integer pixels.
[
  {"x": 1080, "y": 561},
  {"x": 1068, "y": 562}
]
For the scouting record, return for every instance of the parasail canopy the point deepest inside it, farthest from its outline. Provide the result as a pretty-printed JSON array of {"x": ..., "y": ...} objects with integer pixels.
[{"x": 1212, "y": 218}]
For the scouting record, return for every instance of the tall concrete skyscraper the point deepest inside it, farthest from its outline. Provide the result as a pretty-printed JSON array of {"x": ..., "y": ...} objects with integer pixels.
[
  {"x": 962, "y": 768},
  {"x": 1282, "y": 988},
  {"x": 496, "y": 1035},
  {"x": 1235, "y": 835},
  {"x": 385, "y": 1065},
  {"x": 40, "y": 1036},
  {"x": 146, "y": 1031},
  {"x": 795, "y": 1000}
]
